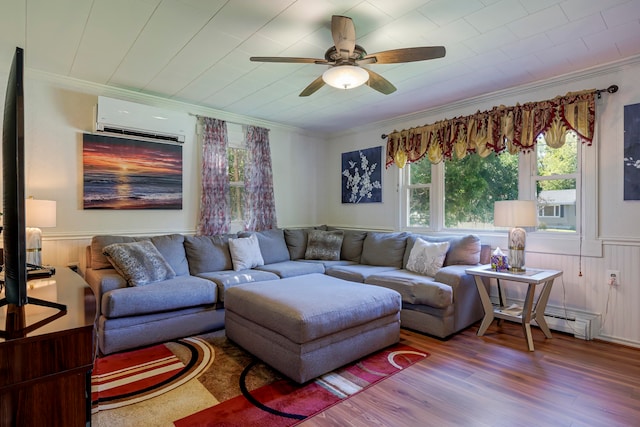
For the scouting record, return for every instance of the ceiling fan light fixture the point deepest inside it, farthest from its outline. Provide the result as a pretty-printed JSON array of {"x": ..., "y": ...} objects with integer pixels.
[{"x": 345, "y": 76}]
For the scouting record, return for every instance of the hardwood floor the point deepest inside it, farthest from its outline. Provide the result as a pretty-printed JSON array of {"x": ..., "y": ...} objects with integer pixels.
[{"x": 494, "y": 381}]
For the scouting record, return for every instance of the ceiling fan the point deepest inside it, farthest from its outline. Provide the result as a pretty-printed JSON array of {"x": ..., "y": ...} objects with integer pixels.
[{"x": 346, "y": 57}]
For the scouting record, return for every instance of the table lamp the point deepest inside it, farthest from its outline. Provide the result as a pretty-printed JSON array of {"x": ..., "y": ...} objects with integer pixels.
[
  {"x": 39, "y": 213},
  {"x": 516, "y": 214}
]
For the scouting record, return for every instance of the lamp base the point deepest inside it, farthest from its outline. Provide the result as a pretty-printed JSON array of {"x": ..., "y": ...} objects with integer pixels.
[
  {"x": 517, "y": 239},
  {"x": 34, "y": 245}
]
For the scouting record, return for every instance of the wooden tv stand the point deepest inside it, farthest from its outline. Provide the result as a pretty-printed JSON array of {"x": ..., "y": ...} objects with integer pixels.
[{"x": 45, "y": 373}]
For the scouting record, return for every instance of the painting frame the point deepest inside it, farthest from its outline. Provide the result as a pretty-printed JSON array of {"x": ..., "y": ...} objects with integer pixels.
[
  {"x": 362, "y": 176},
  {"x": 131, "y": 174},
  {"x": 631, "y": 160}
]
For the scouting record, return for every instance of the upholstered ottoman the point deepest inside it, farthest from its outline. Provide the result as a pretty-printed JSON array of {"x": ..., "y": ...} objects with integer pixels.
[{"x": 308, "y": 325}]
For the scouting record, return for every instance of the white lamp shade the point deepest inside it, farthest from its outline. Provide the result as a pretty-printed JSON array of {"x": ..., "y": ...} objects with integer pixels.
[
  {"x": 40, "y": 213},
  {"x": 345, "y": 76},
  {"x": 515, "y": 213}
]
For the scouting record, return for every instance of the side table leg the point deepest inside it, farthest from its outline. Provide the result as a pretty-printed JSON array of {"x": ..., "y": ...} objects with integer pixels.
[
  {"x": 526, "y": 315},
  {"x": 501, "y": 297},
  {"x": 486, "y": 305},
  {"x": 541, "y": 306}
]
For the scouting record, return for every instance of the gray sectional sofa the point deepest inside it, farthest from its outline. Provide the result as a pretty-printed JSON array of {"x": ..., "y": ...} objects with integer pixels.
[{"x": 136, "y": 307}]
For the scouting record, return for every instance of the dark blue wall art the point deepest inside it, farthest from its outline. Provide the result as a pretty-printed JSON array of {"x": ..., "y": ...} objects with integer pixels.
[
  {"x": 362, "y": 176},
  {"x": 632, "y": 152}
]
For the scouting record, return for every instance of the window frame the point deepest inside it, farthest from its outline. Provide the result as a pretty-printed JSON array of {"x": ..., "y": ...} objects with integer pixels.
[{"x": 584, "y": 241}]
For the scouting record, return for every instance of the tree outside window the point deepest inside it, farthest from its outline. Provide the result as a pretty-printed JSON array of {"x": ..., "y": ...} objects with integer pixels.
[
  {"x": 473, "y": 184},
  {"x": 419, "y": 195}
]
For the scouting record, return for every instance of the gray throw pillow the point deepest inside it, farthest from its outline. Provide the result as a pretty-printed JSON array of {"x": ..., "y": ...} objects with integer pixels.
[
  {"x": 140, "y": 263},
  {"x": 324, "y": 245}
]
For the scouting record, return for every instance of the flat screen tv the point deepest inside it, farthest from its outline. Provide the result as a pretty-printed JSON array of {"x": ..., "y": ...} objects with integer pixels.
[
  {"x": 13, "y": 212},
  {"x": 14, "y": 231}
]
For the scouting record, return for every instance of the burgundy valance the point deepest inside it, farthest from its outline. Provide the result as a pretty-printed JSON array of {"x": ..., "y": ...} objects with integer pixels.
[{"x": 513, "y": 129}]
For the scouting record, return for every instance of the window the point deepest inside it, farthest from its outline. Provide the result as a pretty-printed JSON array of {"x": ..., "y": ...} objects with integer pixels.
[
  {"x": 470, "y": 186},
  {"x": 551, "y": 211},
  {"x": 555, "y": 175},
  {"x": 419, "y": 195},
  {"x": 236, "y": 156}
]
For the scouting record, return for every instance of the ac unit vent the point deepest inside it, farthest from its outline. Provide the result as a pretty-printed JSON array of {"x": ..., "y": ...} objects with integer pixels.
[{"x": 141, "y": 134}]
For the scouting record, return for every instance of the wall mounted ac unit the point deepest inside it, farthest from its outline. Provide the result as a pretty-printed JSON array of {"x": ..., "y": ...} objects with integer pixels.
[{"x": 137, "y": 120}]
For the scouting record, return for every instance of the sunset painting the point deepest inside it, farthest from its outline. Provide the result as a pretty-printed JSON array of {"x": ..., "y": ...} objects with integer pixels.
[{"x": 121, "y": 173}]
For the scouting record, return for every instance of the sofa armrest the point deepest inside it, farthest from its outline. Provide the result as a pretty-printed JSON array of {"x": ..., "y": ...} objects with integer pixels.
[{"x": 103, "y": 281}]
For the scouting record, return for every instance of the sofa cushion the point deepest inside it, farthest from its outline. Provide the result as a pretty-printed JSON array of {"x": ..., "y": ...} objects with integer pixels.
[
  {"x": 352, "y": 245},
  {"x": 296, "y": 240},
  {"x": 292, "y": 268},
  {"x": 427, "y": 257},
  {"x": 172, "y": 294},
  {"x": 140, "y": 263},
  {"x": 98, "y": 258},
  {"x": 324, "y": 245},
  {"x": 245, "y": 252},
  {"x": 414, "y": 288},
  {"x": 355, "y": 272},
  {"x": 272, "y": 245},
  {"x": 463, "y": 250},
  {"x": 384, "y": 249},
  {"x": 208, "y": 253},
  {"x": 171, "y": 246},
  {"x": 229, "y": 278}
]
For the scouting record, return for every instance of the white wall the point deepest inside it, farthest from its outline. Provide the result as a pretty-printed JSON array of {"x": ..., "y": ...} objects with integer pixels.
[
  {"x": 617, "y": 230},
  {"x": 58, "y": 111}
]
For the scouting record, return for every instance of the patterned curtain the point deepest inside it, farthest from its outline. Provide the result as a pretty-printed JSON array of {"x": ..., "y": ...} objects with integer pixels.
[
  {"x": 259, "y": 203},
  {"x": 513, "y": 129},
  {"x": 215, "y": 213}
]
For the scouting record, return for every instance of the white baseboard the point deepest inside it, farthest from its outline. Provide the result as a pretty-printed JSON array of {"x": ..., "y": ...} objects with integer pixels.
[{"x": 579, "y": 323}]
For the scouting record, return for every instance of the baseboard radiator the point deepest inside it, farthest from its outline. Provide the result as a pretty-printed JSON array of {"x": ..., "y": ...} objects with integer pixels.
[{"x": 581, "y": 324}]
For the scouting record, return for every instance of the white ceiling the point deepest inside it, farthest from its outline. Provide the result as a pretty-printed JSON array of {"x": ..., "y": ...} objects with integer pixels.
[{"x": 197, "y": 51}]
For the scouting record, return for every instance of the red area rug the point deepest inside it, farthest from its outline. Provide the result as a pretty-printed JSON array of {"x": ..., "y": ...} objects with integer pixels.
[{"x": 208, "y": 381}]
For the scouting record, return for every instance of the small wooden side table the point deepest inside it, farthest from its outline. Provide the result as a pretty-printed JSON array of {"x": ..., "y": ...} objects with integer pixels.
[{"x": 524, "y": 315}]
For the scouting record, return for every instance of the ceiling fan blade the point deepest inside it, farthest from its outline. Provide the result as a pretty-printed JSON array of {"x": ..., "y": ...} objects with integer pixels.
[
  {"x": 288, "y": 59},
  {"x": 313, "y": 87},
  {"x": 409, "y": 54},
  {"x": 344, "y": 35},
  {"x": 379, "y": 83}
]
